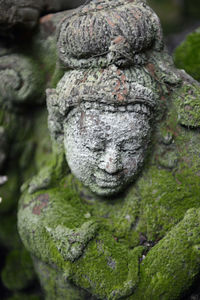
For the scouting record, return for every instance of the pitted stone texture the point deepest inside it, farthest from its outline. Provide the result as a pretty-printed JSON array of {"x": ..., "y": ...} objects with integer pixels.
[
  {"x": 104, "y": 117},
  {"x": 109, "y": 32},
  {"x": 110, "y": 89},
  {"x": 106, "y": 150}
]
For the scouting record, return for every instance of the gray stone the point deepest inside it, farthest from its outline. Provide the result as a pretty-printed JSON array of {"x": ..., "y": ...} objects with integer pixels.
[{"x": 126, "y": 221}]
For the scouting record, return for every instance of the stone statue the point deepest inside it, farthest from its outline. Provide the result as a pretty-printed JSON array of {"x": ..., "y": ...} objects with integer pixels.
[{"x": 125, "y": 223}]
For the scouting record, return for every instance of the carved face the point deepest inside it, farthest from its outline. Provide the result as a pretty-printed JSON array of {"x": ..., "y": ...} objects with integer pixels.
[{"x": 105, "y": 150}]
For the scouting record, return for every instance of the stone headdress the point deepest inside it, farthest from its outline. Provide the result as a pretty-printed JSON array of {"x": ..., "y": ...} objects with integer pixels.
[
  {"x": 106, "y": 32},
  {"x": 107, "y": 44}
]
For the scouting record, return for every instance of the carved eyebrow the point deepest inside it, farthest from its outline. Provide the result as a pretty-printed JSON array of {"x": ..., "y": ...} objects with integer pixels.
[
  {"x": 129, "y": 140},
  {"x": 97, "y": 135},
  {"x": 132, "y": 140}
]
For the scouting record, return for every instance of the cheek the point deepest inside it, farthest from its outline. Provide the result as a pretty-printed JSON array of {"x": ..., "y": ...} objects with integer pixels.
[
  {"x": 80, "y": 159},
  {"x": 132, "y": 162}
]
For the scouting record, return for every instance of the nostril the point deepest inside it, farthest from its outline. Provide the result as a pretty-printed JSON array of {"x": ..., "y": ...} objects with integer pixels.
[
  {"x": 110, "y": 161},
  {"x": 110, "y": 166}
]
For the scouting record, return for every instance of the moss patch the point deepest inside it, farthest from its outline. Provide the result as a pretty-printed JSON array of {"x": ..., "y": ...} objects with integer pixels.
[
  {"x": 187, "y": 55},
  {"x": 188, "y": 105}
]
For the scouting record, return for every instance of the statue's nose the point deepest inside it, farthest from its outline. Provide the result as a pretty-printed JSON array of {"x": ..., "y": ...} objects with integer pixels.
[{"x": 110, "y": 161}]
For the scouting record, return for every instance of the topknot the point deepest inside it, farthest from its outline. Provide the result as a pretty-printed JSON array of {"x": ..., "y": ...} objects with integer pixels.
[{"x": 108, "y": 32}]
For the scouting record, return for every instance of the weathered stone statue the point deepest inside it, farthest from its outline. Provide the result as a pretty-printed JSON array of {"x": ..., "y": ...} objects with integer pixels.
[{"x": 125, "y": 223}]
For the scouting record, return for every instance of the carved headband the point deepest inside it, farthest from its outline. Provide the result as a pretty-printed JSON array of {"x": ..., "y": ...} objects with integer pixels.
[
  {"x": 103, "y": 89},
  {"x": 111, "y": 86}
]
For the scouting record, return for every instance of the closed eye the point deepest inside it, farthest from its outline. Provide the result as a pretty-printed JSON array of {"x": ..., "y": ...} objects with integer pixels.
[
  {"x": 130, "y": 148},
  {"x": 96, "y": 148}
]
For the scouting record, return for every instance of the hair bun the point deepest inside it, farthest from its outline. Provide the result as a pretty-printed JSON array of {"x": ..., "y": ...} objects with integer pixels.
[{"x": 108, "y": 32}]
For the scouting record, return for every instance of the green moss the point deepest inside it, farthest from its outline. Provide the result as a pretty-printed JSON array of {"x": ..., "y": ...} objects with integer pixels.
[
  {"x": 145, "y": 244},
  {"x": 173, "y": 263},
  {"x": 56, "y": 168},
  {"x": 18, "y": 271},
  {"x": 188, "y": 105},
  {"x": 157, "y": 203},
  {"x": 152, "y": 208},
  {"x": 112, "y": 271},
  {"x": 167, "y": 198},
  {"x": 187, "y": 55}
]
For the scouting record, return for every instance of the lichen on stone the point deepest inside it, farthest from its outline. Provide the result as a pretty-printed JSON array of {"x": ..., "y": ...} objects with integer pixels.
[
  {"x": 125, "y": 222},
  {"x": 188, "y": 105}
]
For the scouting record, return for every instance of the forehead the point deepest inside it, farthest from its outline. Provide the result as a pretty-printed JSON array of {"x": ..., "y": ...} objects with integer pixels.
[{"x": 104, "y": 124}]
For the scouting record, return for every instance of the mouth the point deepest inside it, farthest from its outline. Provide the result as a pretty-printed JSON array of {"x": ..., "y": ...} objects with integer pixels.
[{"x": 107, "y": 183}]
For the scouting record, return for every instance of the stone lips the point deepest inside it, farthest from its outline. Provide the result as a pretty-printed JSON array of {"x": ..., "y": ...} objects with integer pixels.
[{"x": 109, "y": 32}]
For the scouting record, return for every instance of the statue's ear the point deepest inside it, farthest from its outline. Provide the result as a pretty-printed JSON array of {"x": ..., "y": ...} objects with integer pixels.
[
  {"x": 55, "y": 118},
  {"x": 187, "y": 101}
]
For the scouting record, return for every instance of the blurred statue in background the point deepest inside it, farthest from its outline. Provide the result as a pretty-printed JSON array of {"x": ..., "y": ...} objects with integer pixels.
[
  {"x": 125, "y": 222},
  {"x": 25, "y": 14},
  {"x": 27, "y": 65}
]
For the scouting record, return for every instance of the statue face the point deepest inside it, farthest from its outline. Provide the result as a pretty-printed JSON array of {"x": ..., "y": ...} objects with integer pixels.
[{"x": 105, "y": 150}]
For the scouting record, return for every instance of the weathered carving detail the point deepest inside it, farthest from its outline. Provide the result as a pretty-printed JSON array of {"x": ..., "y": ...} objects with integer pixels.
[
  {"x": 74, "y": 241},
  {"x": 109, "y": 32},
  {"x": 108, "y": 89},
  {"x": 103, "y": 117},
  {"x": 119, "y": 115}
]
